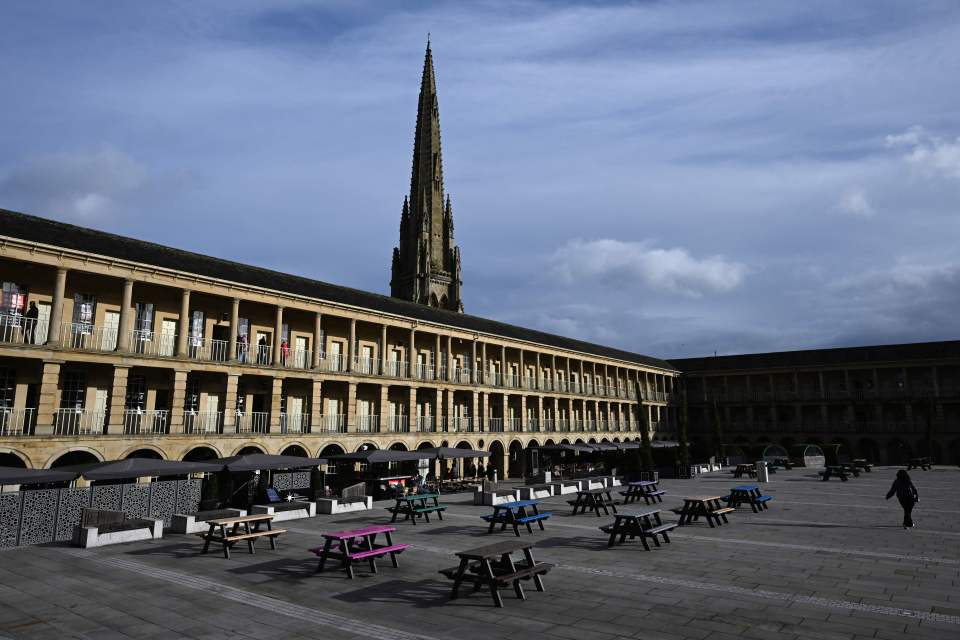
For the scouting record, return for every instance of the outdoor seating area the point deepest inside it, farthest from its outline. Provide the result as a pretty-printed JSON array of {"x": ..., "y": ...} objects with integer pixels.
[
  {"x": 417, "y": 505},
  {"x": 357, "y": 545},
  {"x": 99, "y": 528},
  {"x": 638, "y": 524},
  {"x": 648, "y": 490},
  {"x": 247, "y": 529},
  {"x": 923, "y": 463},
  {"x": 749, "y": 494},
  {"x": 522, "y": 513},
  {"x": 494, "y": 567}
]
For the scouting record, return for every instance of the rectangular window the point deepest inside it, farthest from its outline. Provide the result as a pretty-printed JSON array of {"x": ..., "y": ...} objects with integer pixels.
[
  {"x": 14, "y": 299},
  {"x": 74, "y": 390},
  {"x": 136, "y": 393},
  {"x": 192, "y": 400},
  {"x": 243, "y": 327},
  {"x": 84, "y": 311},
  {"x": 285, "y": 333},
  {"x": 144, "y": 319},
  {"x": 196, "y": 328},
  {"x": 8, "y": 387}
]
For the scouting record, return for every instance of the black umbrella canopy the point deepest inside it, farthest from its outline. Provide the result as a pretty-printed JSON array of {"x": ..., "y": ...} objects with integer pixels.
[
  {"x": 627, "y": 445},
  {"x": 263, "y": 461},
  {"x": 139, "y": 468},
  {"x": 582, "y": 448},
  {"x": 17, "y": 475},
  {"x": 605, "y": 446},
  {"x": 447, "y": 453},
  {"x": 374, "y": 456}
]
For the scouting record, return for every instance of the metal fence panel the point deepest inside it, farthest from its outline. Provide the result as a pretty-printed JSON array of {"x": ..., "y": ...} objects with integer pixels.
[
  {"x": 38, "y": 517},
  {"x": 10, "y": 518},
  {"x": 70, "y": 510}
]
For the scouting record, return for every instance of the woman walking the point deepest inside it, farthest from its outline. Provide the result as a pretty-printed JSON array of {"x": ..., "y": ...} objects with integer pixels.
[{"x": 907, "y": 496}]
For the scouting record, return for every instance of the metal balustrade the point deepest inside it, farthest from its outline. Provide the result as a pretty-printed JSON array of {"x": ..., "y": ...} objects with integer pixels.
[
  {"x": 367, "y": 423},
  {"x": 294, "y": 423},
  {"x": 395, "y": 368},
  {"x": 563, "y": 424},
  {"x": 495, "y": 379},
  {"x": 20, "y": 330},
  {"x": 298, "y": 358},
  {"x": 514, "y": 424},
  {"x": 511, "y": 380},
  {"x": 546, "y": 384},
  {"x": 79, "y": 422},
  {"x": 495, "y": 425},
  {"x": 426, "y": 424},
  {"x": 398, "y": 424},
  {"x": 137, "y": 422},
  {"x": 87, "y": 337},
  {"x": 533, "y": 425},
  {"x": 203, "y": 422},
  {"x": 462, "y": 424},
  {"x": 423, "y": 371},
  {"x": 150, "y": 343},
  {"x": 332, "y": 423},
  {"x": 253, "y": 422},
  {"x": 365, "y": 366},
  {"x": 461, "y": 375},
  {"x": 207, "y": 349},
  {"x": 334, "y": 363},
  {"x": 17, "y": 422},
  {"x": 530, "y": 382},
  {"x": 549, "y": 425}
]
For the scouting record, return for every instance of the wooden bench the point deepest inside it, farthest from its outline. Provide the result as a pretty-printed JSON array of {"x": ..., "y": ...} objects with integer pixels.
[
  {"x": 493, "y": 567},
  {"x": 235, "y": 535},
  {"x": 356, "y": 546},
  {"x": 707, "y": 507},
  {"x": 642, "y": 524}
]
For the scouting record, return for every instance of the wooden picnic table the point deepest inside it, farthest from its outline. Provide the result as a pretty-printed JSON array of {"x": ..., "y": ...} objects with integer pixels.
[
  {"x": 595, "y": 500},
  {"x": 834, "y": 470},
  {"x": 492, "y": 566},
  {"x": 748, "y": 494},
  {"x": 706, "y": 506},
  {"x": 925, "y": 463},
  {"x": 515, "y": 514},
  {"x": 637, "y": 524},
  {"x": 415, "y": 505},
  {"x": 745, "y": 469},
  {"x": 358, "y": 545},
  {"x": 248, "y": 534},
  {"x": 646, "y": 489},
  {"x": 863, "y": 464}
]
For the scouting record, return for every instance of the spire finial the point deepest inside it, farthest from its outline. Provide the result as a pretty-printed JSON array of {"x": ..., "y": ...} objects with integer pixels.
[{"x": 428, "y": 41}]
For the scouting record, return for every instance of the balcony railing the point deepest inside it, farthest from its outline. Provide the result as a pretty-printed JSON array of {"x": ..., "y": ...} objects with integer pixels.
[
  {"x": 17, "y": 422},
  {"x": 88, "y": 337},
  {"x": 294, "y": 423},
  {"x": 494, "y": 379},
  {"x": 530, "y": 382},
  {"x": 514, "y": 424},
  {"x": 426, "y": 424},
  {"x": 207, "y": 349},
  {"x": 296, "y": 358},
  {"x": 546, "y": 384},
  {"x": 365, "y": 366},
  {"x": 205, "y": 422},
  {"x": 533, "y": 425},
  {"x": 333, "y": 362},
  {"x": 78, "y": 422},
  {"x": 461, "y": 375},
  {"x": 137, "y": 422},
  {"x": 332, "y": 423},
  {"x": 367, "y": 423},
  {"x": 398, "y": 424},
  {"x": 423, "y": 371},
  {"x": 150, "y": 343},
  {"x": 495, "y": 425},
  {"x": 462, "y": 424},
  {"x": 253, "y": 422},
  {"x": 20, "y": 330},
  {"x": 395, "y": 368},
  {"x": 563, "y": 424},
  {"x": 549, "y": 425},
  {"x": 511, "y": 380}
]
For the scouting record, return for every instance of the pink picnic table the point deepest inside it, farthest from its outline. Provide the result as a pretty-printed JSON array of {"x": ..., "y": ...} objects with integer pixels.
[{"x": 358, "y": 545}]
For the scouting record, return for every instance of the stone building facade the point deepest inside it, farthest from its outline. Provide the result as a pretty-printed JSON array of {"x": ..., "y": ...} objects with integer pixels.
[
  {"x": 139, "y": 349},
  {"x": 426, "y": 264}
]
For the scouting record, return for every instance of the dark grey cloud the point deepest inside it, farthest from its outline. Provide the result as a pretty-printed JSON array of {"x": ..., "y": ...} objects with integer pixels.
[{"x": 673, "y": 178}]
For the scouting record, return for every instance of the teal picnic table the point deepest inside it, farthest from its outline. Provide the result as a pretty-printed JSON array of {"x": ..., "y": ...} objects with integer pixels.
[
  {"x": 520, "y": 513},
  {"x": 417, "y": 505}
]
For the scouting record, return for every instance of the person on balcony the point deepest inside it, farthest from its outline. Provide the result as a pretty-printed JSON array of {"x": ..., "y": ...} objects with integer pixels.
[
  {"x": 262, "y": 350},
  {"x": 31, "y": 315},
  {"x": 284, "y": 352}
]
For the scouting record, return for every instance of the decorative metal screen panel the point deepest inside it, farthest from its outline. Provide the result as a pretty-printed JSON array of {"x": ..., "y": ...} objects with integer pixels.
[
  {"x": 163, "y": 500},
  {"x": 9, "y": 518},
  {"x": 188, "y": 496},
  {"x": 107, "y": 497},
  {"x": 72, "y": 504},
  {"x": 39, "y": 515},
  {"x": 288, "y": 480},
  {"x": 281, "y": 481},
  {"x": 136, "y": 500}
]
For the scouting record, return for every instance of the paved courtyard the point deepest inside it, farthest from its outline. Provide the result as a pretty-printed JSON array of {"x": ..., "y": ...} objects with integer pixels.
[{"x": 828, "y": 560}]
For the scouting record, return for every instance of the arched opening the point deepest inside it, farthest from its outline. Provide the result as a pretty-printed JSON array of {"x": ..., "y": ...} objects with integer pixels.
[
  {"x": 250, "y": 449},
  {"x": 74, "y": 457},
  {"x": 148, "y": 454},
  {"x": 424, "y": 445},
  {"x": 898, "y": 452},
  {"x": 517, "y": 461},
  {"x": 398, "y": 446},
  {"x": 496, "y": 458},
  {"x": 12, "y": 460},
  {"x": 295, "y": 450},
  {"x": 200, "y": 454},
  {"x": 443, "y": 302},
  {"x": 549, "y": 442},
  {"x": 367, "y": 446}
]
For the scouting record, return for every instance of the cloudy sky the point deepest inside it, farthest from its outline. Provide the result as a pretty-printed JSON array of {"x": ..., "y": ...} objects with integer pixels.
[{"x": 674, "y": 178}]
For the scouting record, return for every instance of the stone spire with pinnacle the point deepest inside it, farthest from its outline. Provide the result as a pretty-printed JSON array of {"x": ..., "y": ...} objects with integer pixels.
[{"x": 426, "y": 265}]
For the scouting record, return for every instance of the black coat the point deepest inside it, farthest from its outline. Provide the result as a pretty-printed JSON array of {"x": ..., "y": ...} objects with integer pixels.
[{"x": 904, "y": 490}]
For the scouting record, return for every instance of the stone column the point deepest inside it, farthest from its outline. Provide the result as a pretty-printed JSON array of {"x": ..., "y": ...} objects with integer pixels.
[
  {"x": 473, "y": 362},
  {"x": 49, "y": 399},
  {"x": 352, "y": 407},
  {"x": 276, "y": 401},
  {"x": 436, "y": 358},
  {"x": 230, "y": 402},
  {"x": 536, "y": 375},
  {"x": 412, "y": 409},
  {"x": 484, "y": 421},
  {"x": 56, "y": 311},
  {"x": 484, "y": 375},
  {"x": 523, "y": 412},
  {"x": 382, "y": 351},
  {"x": 277, "y": 335},
  {"x": 177, "y": 401},
  {"x": 234, "y": 328},
  {"x": 438, "y": 412},
  {"x": 384, "y": 408},
  {"x": 450, "y": 360},
  {"x": 351, "y": 348},
  {"x": 317, "y": 340},
  {"x": 522, "y": 372},
  {"x": 503, "y": 365},
  {"x": 475, "y": 410},
  {"x": 183, "y": 323},
  {"x": 448, "y": 406},
  {"x": 412, "y": 353},
  {"x": 118, "y": 399},
  {"x": 316, "y": 406},
  {"x": 123, "y": 332}
]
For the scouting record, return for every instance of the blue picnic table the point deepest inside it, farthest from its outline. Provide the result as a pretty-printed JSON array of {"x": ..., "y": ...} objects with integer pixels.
[
  {"x": 748, "y": 494},
  {"x": 516, "y": 514}
]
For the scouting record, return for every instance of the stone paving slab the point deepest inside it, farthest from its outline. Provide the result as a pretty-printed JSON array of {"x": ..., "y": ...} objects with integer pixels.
[{"x": 827, "y": 560}]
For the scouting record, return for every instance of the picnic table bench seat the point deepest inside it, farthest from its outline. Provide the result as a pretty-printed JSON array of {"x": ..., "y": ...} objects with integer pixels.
[
  {"x": 516, "y": 514},
  {"x": 416, "y": 505},
  {"x": 833, "y": 470},
  {"x": 707, "y": 507},
  {"x": 492, "y": 566},
  {"x": 638, "y": 524},
  {"x": 240, "y": 531}
]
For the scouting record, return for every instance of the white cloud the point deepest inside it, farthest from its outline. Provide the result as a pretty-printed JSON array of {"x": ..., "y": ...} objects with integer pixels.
[
  {"x": 79, "y": 185},
  {"x": 928, "y": 154},
  {"x": 625, "y": 263},
  {"x": 855, "y": 202}
]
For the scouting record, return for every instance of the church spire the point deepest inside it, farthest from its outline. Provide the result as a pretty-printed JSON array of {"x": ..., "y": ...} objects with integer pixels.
[{"x": 428, "y": 261}]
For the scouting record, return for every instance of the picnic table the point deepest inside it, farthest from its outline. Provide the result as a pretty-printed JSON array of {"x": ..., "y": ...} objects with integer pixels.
[
  {"x": 747, "y": 494},
  {"x": 415, "y": 505},
  {"x": 743, "y": 468},
  {"x": 925, "y": 463},
  {"x": 646, "y": 489},
  {"x": 595, "y": 500},
  {"x": 240, "y": 531},
  {"x": 358, "y": 545},
  {"x": 863, "y": 464},
  {"x": 492, "y": 566},
  {"x": 834, "y": 470},
  {"x": 637, "y": 524},
  {"x": 515, "y": 514},
  {"x": 707, "y": 506}
]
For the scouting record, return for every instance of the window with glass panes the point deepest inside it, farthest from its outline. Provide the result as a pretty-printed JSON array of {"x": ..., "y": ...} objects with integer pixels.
[
  {"x": 74, "y": 392},
  {"x": 136, "y": 393},
  {"x": 8, "y": 387},
  {"x": 14, "y": 299}
]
